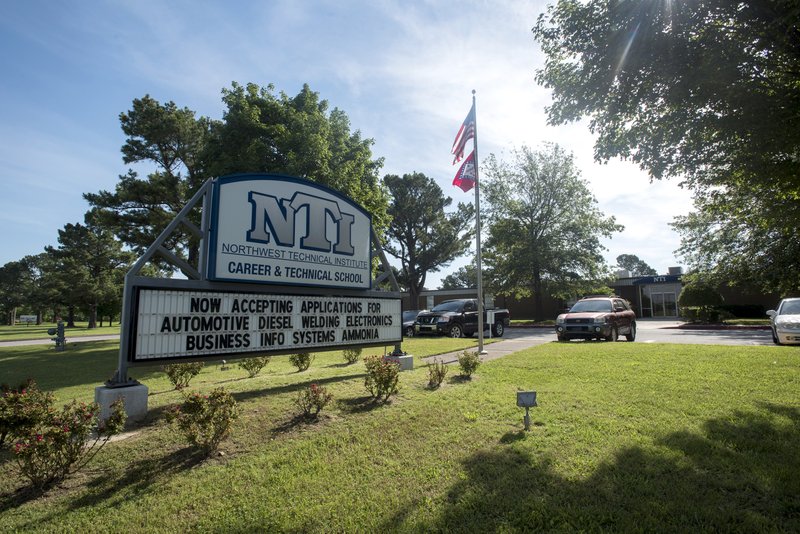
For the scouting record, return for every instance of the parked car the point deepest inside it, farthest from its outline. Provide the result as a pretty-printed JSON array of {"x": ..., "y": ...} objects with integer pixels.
[
  {"x": 785, "y": 322},
  {"x": 409, "y": 316},
  {"x": 459, "y": 318},
  {"x": 597, "y": 318}
]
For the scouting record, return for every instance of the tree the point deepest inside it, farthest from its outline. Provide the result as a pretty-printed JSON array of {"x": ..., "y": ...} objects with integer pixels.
[
  {"x": 544, "y": 227},
  {"x": 260, "y": 132},
  {"x": 92, "y": 265},
  {"x": 465, "y": 277},
  {"x": 40, "y": 284},
  {"x": 138, "y": 210},
  {"x": 296, "y": 136},
  {"x": 705, "y": 91},
  {"x": 741, "y": 239},
  {"x": 12, "y": 291},
  {"x": 421, "y": 235},
  {"x": 634, "y": 265},
  {"x": 701, "y": 292}
]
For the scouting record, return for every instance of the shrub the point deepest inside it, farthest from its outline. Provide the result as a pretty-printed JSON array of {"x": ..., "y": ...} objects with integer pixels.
[
  {"x": 468, "y": 361},
  {"x": 206, "y": 420},
  {"x": 382, "y": 377},
  {"x": 301, "y": 360},
  {"x": 351, "y": 356},
  {"x": 22, "y": 409},
  {"x": 436, "y": 373},
  {"x": 180, "y": 374},
  {"x": 253, "y": 366},
  {"x": 312, "y": 400},
  {"x": 57, "y": 447}
]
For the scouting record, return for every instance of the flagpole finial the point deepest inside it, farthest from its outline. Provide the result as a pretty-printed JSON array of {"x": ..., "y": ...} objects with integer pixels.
[{"x": 473, "y": 92}]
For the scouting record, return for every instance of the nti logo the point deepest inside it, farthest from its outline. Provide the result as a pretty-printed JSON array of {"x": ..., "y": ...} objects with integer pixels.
[
  {"x": 275, "y": 229},
  {"x": 274, "y": 218}
]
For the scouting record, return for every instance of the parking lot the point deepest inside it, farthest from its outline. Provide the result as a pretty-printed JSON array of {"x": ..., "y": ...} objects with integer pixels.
[{"x": 661, "y": 331}]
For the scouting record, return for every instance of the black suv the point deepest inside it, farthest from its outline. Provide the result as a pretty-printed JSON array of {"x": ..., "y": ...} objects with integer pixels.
[{"x": 597, "y": 318}]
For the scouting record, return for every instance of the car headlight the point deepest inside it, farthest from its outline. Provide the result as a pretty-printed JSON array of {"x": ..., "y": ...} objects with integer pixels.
[
  {"x": 561, "y": 319},
  {"x": 601, "y": 320}
]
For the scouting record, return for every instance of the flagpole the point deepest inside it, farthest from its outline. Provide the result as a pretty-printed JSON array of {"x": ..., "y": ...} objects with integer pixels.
[{"x": 478, "y": 231}]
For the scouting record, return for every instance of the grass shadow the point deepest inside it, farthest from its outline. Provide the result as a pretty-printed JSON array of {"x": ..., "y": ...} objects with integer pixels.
[
  {"x": 359, "y": 404},
  {"x": 739, "y": 473},
  {"x": 137, "y": 479}
]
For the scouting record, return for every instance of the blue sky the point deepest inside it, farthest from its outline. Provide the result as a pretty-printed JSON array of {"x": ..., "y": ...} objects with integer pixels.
[{"x": 402, "y": 71}]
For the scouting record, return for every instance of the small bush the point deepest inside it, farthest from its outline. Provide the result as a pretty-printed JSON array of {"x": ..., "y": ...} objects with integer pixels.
[
  {"x": 57, "y": 447},
  {"x": 351, "y": 356},
  {"x": 253, "y": 366},
  {"x": 180, "y": 374},
  {"x": 382, "y": 377},
  {"x": 468, "y": 362},
  {"x": 312, "y": 400},
  {"x": 301, "y": 360},
  {"x": 206, "y": 420},
  {"x": 22, "y": 409},
  {"x": 436, "y": 373}
]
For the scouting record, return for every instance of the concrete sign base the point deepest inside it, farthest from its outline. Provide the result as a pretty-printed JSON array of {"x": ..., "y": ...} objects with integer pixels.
[
  {"x": 135, "y": 398},
  {"x": 406, "y": 362}
]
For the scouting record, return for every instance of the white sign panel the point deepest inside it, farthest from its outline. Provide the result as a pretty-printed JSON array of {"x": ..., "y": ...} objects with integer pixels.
[
  {"x": 195, "y": 324},
  {"x": 281, "y": 230}
]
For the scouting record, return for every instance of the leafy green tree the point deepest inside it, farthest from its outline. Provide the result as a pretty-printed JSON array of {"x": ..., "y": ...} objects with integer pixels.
[
  {"x": 705, "y": 91},
  {"x": 544, "y": 227},
  {"x": 632, "y": 264},
  {"x": 91, "y": 264},
  {"x": 421, "y": 235},
  {"x": 12, "y": 291},
  {"x": 701, "y": 292},
  {"x": 296, "y": 136},
  {"x": 741, "y": 239},
  {"x": 260, "y": 132},
  {"x": 465, "y": 277},
  {"x": 40, "y": 284},
  {"x": 173, "y": 140}
]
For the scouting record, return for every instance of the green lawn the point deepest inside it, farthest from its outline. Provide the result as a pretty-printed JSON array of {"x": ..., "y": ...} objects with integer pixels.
[
  {"x": 31, "y": 331},
  {"x": 627, "y": 437}
]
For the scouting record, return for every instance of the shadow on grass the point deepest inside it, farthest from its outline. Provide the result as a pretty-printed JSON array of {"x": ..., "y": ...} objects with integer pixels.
[
  {"x": 739, "y": 474},
  {"x": 111, "y": 488},
  {"x": 360, "y": 404}
]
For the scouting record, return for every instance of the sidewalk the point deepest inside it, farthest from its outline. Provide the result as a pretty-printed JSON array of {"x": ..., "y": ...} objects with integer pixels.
[{"x": 514, "y": 340}]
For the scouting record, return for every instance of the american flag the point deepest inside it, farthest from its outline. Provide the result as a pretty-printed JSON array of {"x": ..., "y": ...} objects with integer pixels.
[
  {"x": 465, "y": 133},
  {"x": 465, "y": 177}
]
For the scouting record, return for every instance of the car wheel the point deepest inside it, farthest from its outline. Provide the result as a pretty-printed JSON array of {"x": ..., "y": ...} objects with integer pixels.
[
  {"x": 561, "y": 339},
  {"x": 498, "y": 329},
  {"x": 409, "y": 331},
  {"x": 455, "y": 331},
  {"x": 614, "y": 335},
  {"x": 632, "y": 335},
  {"x": 775, "y": 338}
]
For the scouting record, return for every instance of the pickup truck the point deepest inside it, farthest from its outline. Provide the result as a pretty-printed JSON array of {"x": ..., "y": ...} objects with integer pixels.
[{"x": 459, "y": 318}]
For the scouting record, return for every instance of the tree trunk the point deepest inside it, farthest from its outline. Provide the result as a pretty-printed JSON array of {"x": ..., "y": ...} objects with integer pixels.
[
  {"x": 92, "y": 316},
  {"x": 70, "y": 316},
  {"x": 414, "y": 293},
  {"x": 538, "y": 307}
]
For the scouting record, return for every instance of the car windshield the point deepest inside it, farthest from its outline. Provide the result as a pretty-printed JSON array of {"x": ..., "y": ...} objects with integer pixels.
[
  {"x": 448, "y": 306},
  {"x": 591, "y": 306},
  {"x": 410, "y": 315},
  {"x": 790, "y": 307}
]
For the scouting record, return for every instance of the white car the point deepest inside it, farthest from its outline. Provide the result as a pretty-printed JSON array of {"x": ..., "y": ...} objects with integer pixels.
[{"x": 786, "y": 322}]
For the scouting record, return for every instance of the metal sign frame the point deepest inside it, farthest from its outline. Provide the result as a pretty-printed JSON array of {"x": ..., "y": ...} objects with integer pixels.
[{"x": 196, "y": 278}]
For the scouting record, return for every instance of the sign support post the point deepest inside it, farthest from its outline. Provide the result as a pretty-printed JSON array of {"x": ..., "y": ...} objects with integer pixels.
[{"x": 284, "y": 265}]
